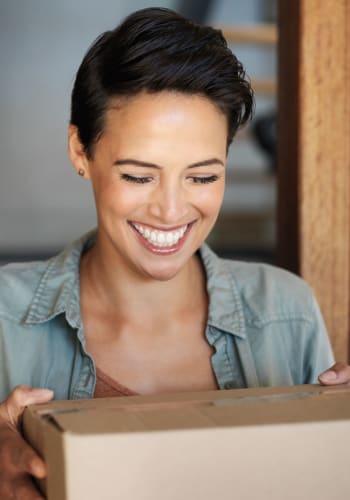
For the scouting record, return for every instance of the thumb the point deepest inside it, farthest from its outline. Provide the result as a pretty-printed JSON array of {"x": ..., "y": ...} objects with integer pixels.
[
  {"x": 337, "y": 374},
  {"x": 22, "y": 396}
]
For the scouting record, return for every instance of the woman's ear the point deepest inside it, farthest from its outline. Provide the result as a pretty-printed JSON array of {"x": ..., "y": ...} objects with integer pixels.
[{"x": 77, "y": 153}]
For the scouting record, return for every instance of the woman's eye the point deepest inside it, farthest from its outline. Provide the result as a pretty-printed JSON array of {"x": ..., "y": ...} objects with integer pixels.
[
  {"x": 204, "y": 180},
  {"x": 137, "y": 180}
]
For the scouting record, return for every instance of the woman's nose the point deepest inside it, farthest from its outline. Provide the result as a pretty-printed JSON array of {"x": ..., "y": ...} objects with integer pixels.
[{"x": 169, "y": 204}]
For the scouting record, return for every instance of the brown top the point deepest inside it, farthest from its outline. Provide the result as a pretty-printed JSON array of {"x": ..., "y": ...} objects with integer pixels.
[{"x": 107, "y": 387}]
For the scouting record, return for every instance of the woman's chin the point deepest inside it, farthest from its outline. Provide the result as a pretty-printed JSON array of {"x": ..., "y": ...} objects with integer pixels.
[
  {"x": 161, "y": 275},
  {"x": 161, "y": 272}
]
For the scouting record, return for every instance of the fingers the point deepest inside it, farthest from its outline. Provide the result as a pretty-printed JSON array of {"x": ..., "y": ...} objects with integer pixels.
[
  {"x": 20, "y": 397},
  {"x": 26, "y": 490},
  {"x": 337, "y": 374},
  {"x": 24, "y": 458},
  {"x": 17, "y": 456},
  {"x": 21, "y": 488},
  {"x": 18, "y": 461}
]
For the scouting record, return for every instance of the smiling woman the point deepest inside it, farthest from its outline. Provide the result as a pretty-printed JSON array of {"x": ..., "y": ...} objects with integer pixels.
[
  {"x": 141, "y": 305},
  {"x": 150, "y": 203}
]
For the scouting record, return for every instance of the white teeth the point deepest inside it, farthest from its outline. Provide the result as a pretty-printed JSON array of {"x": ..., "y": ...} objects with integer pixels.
[{"x": 161, "y": 238}]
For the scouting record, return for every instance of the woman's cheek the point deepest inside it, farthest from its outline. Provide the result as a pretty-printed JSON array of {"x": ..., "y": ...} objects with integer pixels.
[{"x": 209, "y": 200}]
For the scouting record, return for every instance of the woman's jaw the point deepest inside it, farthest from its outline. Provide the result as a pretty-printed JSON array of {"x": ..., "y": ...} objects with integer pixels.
[{"x": 131, "y": 258}]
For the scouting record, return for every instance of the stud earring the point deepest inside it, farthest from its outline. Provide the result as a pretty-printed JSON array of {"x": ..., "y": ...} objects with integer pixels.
[{"x": 81, "y": 172}]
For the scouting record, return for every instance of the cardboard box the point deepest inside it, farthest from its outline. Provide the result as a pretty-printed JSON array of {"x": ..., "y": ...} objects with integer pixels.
[{"x": 266, "y": 444}]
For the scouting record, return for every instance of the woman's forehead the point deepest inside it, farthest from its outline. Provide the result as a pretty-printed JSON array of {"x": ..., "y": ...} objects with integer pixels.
[
  {"x": 153, "y": 111},
  {"x": 164, "y": 129},
  {"x": 159, "y": 115}
]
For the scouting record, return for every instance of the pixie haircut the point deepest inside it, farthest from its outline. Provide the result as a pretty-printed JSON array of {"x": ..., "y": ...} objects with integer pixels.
[{"x": 156, "y": 50}]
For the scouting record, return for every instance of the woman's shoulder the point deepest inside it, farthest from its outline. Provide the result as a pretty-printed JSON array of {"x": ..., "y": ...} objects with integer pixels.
[
  {"x": 36, "y": 288},
  {"x": 39, "y": 287},
  {"x": 18, "y": 285},
  {"x": 273, "y": 293},
  {"x": 265, "y": 291}
]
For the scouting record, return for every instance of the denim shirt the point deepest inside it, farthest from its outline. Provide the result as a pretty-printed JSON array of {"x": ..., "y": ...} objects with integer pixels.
[{"x": 263, "y": 322}]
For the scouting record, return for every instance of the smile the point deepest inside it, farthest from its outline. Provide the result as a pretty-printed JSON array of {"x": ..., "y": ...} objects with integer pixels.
[{"x": 161, "y": 239}]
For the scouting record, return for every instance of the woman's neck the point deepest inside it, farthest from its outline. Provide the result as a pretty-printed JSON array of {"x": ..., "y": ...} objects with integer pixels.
[{"x": 107, "y": 283}]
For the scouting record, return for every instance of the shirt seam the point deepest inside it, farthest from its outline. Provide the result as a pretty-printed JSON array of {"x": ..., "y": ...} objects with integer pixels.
[
  {"x": 33, "y": 315},
  {"x": 278, "y": 319},
  {"x": 230, "y": 364}
]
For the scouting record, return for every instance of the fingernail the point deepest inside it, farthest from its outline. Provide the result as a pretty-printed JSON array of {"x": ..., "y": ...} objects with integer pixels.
[
  {"x": 38, "y": 468},
  {"x": 42, "y": 394},
  {"x": 43, "y": 391},
  {"x": 329, "y": 376}
]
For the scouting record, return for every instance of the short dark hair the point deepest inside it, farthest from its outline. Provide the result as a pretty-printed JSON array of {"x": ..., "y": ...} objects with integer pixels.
[{"x": 153, "y": 50}]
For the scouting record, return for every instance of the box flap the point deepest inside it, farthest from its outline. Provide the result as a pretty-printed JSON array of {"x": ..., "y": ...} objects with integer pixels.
[{"x": 262, "y": 406}]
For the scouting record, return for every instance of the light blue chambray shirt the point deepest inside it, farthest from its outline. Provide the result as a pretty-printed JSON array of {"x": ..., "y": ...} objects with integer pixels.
[{"x": 263, "y": 322}]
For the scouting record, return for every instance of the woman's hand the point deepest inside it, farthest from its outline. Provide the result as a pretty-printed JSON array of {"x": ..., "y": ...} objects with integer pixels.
[
  {"x": 18, "y": 461},
  {"x": 337, "y": 374}
]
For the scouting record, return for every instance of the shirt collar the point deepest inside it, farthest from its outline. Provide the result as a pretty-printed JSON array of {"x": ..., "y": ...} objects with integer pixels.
[
  {"x": 225, "y": 304},
  {"x": 59, "y": 292}
]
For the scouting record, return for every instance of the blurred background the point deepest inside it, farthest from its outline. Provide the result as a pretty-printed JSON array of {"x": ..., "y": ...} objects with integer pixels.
[{"x": 43, "y": 204}]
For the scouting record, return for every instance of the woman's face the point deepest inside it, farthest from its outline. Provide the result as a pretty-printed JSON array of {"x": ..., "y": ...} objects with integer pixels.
[{"x": 158, "y": 175}]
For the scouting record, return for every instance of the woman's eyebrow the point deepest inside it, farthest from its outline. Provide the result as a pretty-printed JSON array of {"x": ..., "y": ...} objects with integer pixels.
[
  {"x": 138, "y": 163},
  {"x": 206, "y": 163}
]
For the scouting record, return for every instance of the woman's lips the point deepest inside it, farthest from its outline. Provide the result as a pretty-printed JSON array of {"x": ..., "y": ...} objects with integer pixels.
[{"x": 160, "y": 241}]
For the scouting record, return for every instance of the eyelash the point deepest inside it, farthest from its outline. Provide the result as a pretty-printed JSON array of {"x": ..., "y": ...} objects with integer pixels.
[
  {"x": 137, "y": 180},
  {"x": 205, "y": 180},
  {"x": 145, "y": 180}
]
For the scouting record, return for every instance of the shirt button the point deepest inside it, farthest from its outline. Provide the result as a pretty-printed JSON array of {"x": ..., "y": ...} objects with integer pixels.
[{"x": 230, "y": 385}]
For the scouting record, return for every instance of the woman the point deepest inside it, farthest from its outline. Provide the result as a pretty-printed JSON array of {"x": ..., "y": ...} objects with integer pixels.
[{"x": 142, "y": 305}]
